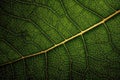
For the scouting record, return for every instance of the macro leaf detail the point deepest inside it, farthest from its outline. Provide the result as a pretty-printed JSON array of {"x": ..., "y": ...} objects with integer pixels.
[{"x": 60, "y": 40}]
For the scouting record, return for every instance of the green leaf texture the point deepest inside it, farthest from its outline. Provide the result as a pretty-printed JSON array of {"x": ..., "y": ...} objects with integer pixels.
[{"x": 31, "y": 32}]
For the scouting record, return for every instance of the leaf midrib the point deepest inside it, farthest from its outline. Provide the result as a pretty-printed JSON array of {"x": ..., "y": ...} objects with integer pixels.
[{"x": 66, "y": 40}]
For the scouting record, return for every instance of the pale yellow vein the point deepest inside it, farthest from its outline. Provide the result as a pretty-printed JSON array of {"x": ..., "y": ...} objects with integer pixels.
[{"x": 66, "y": 40}]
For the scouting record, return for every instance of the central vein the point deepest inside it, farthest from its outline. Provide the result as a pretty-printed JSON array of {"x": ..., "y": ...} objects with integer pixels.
[{"x": 66, "y": 40}]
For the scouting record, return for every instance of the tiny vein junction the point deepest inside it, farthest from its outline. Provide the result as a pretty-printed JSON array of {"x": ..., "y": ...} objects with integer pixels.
[{"x": 66, "y": 40}]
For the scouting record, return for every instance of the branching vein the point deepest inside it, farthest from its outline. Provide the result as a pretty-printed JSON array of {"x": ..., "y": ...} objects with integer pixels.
[{"x": 66, "y": 40}]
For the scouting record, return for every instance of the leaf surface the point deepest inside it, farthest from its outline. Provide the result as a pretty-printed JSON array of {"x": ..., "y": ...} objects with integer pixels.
[{"x": 59, "y": 40}]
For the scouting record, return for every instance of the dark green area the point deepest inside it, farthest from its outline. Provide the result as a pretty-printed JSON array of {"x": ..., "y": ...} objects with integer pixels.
[{"x": 30, "y": 26}]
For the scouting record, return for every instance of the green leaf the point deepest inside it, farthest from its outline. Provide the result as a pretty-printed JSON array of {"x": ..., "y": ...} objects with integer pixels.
[{"x": 59, "y": 40}]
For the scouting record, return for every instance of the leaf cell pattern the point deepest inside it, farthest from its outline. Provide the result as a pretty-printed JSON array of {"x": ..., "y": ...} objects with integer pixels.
[{"x": 59, "y": 40}]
